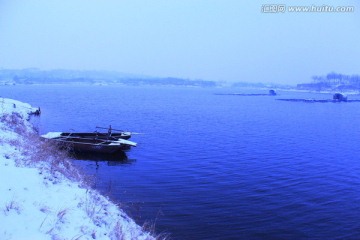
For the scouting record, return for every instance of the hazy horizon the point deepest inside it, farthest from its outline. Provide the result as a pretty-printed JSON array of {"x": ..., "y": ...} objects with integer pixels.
[{"x": 210, "y": 40}]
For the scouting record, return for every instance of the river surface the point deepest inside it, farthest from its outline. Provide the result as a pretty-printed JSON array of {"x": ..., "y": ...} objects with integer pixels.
[{"x": 213, "y": 166}]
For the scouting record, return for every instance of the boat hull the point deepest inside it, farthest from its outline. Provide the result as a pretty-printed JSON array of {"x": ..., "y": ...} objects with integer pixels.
[
  {"x": 92, "y": 148},
  {"x": 98, "y": 135},
  {"x": 91, "y": 145}
]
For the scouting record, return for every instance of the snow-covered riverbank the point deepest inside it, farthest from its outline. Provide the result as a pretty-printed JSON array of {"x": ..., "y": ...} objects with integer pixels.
[{"x": 42, "y": 196}]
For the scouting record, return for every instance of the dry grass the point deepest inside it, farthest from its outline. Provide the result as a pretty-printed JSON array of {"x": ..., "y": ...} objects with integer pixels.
[
  {"x": 61, "y": 214},
  {"x": 150, "y": 227},
  {"x": 93, "y": 205},
  {"x": 60, "y": 219},
  {"x": 12, "y": 206},
  {"x": 36, "y": 151},
  {"x": 14, "y": 121},
  {"x": 118, "y": 232}
]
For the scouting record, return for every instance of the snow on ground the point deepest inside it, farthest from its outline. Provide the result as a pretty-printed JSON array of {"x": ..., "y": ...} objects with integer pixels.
[{"x": 42, "y": 196}]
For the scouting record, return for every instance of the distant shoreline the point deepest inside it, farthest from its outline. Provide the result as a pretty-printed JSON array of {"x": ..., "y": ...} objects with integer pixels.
[{"x": 119, "y": 84}]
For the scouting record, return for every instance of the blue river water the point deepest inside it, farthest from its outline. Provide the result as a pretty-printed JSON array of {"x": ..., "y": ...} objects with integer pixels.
[{"x": 213, "y": 166}]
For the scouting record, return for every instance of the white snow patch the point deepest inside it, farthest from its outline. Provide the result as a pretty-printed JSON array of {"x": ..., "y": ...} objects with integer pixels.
[{"x": 52, "y": 135}]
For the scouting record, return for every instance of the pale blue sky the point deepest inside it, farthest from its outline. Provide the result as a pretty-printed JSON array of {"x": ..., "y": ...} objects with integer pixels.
[{"x": 229, "y": 40}]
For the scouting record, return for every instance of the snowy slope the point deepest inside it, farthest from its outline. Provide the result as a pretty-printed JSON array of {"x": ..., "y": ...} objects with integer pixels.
[{"x": 42, "y": 196}]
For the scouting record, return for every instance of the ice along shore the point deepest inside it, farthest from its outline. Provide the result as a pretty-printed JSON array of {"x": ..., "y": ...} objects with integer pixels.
[{"x": 42, "y": 196}]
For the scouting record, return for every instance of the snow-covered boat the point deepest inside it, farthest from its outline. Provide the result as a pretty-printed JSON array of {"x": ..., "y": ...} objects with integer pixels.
[{"x": 81, "y": 142}]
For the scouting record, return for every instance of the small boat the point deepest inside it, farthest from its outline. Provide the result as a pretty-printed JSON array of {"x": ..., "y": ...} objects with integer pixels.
[
  {"x": 272, "y": 92},
  {"x": 339, "y": 97},
  {"x": 81, "y": 142},
  {"x": 98, "y": 135},
  {"x": 109, "y": 135}
]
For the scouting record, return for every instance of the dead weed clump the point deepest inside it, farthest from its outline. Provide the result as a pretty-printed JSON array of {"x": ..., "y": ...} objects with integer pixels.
[
  {"x": 12, "y": 205},
  {"x": 15, "y": 122},
  {"x": 38, "y": 152},
  {"x": 16, "y": 143},
  {"x": 56, "y": 157},
  {"x": 118, "y": 232},
  {"x": 35, "y": 151}
]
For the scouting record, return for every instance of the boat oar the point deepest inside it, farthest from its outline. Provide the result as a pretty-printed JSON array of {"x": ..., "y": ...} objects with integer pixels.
[
  {"x": 122, "y": 141},
  {"x": 110, "y": 129},
  {"x": 135, "y": 133}
]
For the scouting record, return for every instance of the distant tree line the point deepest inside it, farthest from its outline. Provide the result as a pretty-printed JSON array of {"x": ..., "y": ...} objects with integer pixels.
[
  {"x": 338, "y": 78},
  {"x": 332, "y": 81},
  {"x": 36, "y": 76}
]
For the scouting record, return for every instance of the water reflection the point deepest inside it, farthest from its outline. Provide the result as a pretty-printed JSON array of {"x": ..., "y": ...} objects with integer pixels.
[{"x": 114, "y": 159}]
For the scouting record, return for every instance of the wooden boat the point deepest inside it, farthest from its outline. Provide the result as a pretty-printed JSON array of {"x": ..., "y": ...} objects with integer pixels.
[
  {"x": 98, "y": 135},
  {"x": 82, "y": 143}
]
